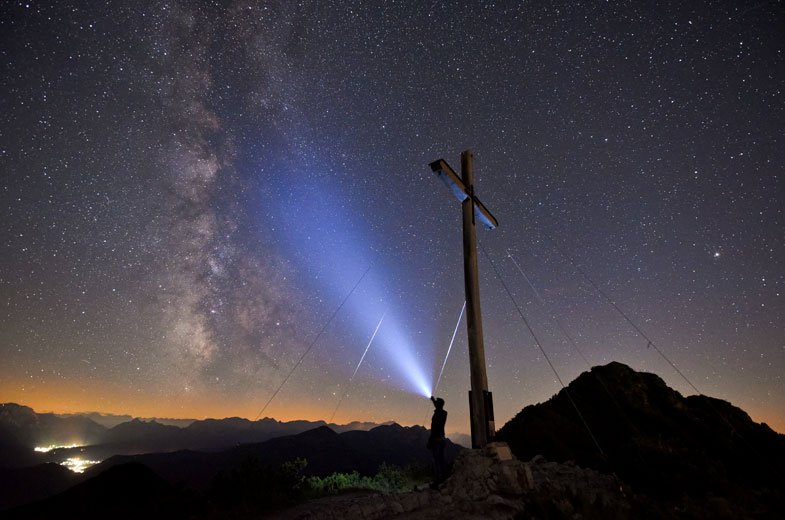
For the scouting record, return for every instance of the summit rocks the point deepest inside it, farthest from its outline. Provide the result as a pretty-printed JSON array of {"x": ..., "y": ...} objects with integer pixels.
[{"x": 489, "y": 484}]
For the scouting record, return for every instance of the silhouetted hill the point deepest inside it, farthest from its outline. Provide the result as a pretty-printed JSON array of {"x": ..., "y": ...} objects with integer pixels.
[
  {"x": 69, "y": 429},
  {"x": 357, "y": 425},
  {"x": 110, "y": 420},
  {"x": 140, "y": 435},
  {"x": 21, "y": 425},
  {"x": 16, "y": 455},
  {"x": 325, "y": 450},
  {"x": 661, "y": 443},
  {"x": 385, "y": 442},
  {"x": 137, "y": 437},
  {"x": 24, "y": 485},
  {"x": 213, "y": 434},
  {"x": 18, "y": 424},
  {"x": 125, "y": 491},
  {"x": 21, "y": 429}
]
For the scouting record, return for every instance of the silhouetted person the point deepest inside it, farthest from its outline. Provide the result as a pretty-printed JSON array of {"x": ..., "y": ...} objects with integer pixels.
[{"x": 436, "y": 440}]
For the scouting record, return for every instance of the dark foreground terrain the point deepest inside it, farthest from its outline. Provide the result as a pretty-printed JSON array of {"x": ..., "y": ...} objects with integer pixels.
[{"x": 181, "y": 484}]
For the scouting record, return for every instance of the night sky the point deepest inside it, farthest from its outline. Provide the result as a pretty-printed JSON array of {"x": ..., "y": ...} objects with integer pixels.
[{"x": 188, "y": 191}]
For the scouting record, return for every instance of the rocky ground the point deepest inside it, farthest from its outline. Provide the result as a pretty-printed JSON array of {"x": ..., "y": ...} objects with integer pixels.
[{"x": 488, "y": 484}]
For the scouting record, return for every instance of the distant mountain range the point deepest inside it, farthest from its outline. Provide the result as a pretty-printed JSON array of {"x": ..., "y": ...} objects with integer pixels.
[
  {"x": 109, "y": 420},
  {"x": 22, "y": 429}
]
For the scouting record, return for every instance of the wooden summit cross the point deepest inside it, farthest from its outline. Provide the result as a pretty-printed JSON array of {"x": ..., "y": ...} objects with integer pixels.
[{"x": 480, "y": 399}]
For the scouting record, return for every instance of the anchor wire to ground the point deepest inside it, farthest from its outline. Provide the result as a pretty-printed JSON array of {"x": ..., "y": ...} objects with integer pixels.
[
  {"x": 572, "y": 342},
  {"x": 454, "y": 333},
  {"x": 649, "y": 342},
  {"x": 349, "y": 383},
  {"x": 542, "y": 350},
  {"x": 310, "y": 347}
]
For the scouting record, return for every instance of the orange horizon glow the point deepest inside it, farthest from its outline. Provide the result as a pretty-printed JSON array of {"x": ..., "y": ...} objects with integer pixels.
[
  {"x": 762, "y": 415},
  {"x": 73, "y": 398}
]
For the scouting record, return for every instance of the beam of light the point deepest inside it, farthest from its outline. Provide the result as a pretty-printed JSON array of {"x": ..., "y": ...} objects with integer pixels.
[
  {"x": 454, "y": 333},
  {"x": 367, "y": 347},
  {"x": 404, "y": 359},
  {"x": 310, "y": 347},
  {"x": 415, "y": 373},
  {"x": 324, "y": 222}
]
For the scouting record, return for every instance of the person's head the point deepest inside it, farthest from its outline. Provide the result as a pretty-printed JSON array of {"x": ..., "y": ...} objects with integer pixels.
[{"x": 438, "y": 403}]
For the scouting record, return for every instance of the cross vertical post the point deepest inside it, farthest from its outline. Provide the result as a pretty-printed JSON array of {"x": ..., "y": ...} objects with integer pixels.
[
  {"x": 480, "y": 399},
  {"x": 479, "y": 378}
]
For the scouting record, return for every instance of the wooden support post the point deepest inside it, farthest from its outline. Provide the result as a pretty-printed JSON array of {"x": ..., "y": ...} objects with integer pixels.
[{"x": 479, "y": 378}]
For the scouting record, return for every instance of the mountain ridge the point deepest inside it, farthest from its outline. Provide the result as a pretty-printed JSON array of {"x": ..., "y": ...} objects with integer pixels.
[
  {"x": 657, "y": 441},
  {"x": 325, "y": 450},
  {"x": 22, "y": 429}
]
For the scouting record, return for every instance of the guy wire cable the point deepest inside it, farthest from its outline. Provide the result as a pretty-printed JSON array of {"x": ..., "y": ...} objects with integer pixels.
[
  {"x": 319, "y": 335},
  {"x": 454, "y": 333},
  {"x": 649, "y": 342},
  {"x": 348, "y": 384},
  {"x": 539, "y": 345},
  {"x": 572, "y": 342}
]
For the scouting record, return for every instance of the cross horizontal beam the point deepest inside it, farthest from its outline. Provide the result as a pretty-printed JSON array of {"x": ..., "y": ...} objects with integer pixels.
[{"x": 461, "y": 192}]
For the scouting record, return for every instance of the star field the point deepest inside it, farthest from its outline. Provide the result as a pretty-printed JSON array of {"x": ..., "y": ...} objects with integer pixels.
[{"x": 189, "y": 189}]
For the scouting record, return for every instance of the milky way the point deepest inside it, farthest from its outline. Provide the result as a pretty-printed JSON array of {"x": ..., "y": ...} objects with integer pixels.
[{"x": 190, "y": 189}]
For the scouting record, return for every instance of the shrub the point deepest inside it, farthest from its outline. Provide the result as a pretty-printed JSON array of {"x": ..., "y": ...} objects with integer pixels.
[{"x": 389, "y": 479}]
